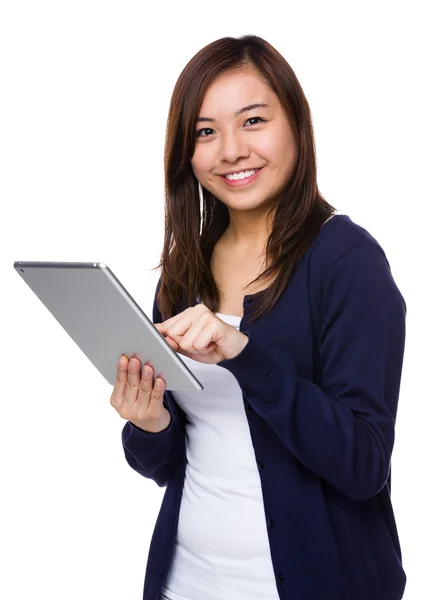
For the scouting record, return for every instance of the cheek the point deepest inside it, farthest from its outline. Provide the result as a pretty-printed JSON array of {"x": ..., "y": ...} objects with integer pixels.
[
  {"x": 200, "y": 163},
  {"x": 271, "y": 147},
  {"x": 278, "y": 151}
]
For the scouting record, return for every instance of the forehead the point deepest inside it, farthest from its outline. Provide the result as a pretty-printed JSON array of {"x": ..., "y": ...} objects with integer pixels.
[{"x": 231, "y": 91}]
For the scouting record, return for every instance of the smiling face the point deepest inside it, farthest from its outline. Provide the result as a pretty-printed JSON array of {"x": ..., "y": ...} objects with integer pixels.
[{"x": 228, "y": 140}]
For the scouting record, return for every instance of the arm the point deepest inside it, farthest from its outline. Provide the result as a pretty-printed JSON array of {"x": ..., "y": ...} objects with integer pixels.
[
  {"x": 156, "y": 455},
  {"x": 343, "y": 430}
]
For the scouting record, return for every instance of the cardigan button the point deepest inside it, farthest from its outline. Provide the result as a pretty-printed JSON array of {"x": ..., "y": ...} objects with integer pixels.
[
  {"x": 280, "y": 578},
  {"x": 247, "y": 406},
  {"x": 260, "y": 464},
  {"x": 270, "y": 523}
]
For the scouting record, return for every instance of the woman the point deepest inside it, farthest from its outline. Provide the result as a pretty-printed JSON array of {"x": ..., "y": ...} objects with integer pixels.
[{"x": 278, "y": 472}]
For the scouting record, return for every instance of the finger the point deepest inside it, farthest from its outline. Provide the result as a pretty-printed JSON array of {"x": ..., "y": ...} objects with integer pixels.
[
  {"x": 176, "y": 327},
  {"x": 120, "y": 383},
  {"x": 198, "y": 337},
  {"x": 157, "y": 397},
  {"x": 207, "y": 339},
  {"x": 145, "y": 388},
  {"x": 133, "y": 381},
  {"x": 166, "y": 324},
  {"x": 172, "y": 343}
]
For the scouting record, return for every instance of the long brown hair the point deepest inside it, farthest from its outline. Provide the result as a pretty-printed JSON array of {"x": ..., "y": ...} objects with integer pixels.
[{"x": 190, "y": 235}]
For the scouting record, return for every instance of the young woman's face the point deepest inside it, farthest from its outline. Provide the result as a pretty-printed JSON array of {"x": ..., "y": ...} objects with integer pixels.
[{"x": 259, "y": 138}]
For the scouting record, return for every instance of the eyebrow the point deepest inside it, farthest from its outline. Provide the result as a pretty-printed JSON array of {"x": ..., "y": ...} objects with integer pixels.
[{"x": 237, "y": 113}]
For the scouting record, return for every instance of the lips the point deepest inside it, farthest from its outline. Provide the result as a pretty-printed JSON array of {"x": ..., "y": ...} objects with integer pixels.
[{"x": 241, "y": 182}]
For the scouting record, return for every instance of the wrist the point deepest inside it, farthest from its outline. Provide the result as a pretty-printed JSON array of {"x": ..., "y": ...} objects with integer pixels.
[{"x": 155, "y": 427}]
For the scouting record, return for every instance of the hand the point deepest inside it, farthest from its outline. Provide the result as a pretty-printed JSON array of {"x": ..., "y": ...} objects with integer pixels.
[
  {"x": 137, "y": 400},
  {"x": 200, "y": 335}
]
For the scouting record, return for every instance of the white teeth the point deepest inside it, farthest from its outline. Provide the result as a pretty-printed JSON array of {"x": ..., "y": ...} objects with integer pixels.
[{"x": 241, "y": 175}]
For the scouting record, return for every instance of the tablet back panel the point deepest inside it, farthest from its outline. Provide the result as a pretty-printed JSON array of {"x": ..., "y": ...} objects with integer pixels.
[{"x": 103, "y": 319}]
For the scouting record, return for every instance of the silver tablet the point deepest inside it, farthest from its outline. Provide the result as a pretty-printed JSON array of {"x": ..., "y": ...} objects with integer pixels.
[{"x": 102, "y": 318}]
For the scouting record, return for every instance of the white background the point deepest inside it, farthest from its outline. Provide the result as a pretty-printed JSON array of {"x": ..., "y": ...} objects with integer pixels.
[{"x": 85, "y": 90}]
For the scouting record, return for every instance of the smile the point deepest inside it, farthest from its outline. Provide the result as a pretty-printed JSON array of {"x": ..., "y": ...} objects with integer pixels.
[{"x": 241, "y": 180}]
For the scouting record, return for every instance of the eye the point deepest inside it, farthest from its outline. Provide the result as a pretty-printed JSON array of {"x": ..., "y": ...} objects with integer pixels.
[{"x": 260, "y": 119}]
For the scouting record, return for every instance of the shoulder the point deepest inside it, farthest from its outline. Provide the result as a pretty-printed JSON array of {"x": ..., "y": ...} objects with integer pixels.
[
  {"x": 346, "y": 254},
  {"x": 338, "y": 237},
  {"x": 346, "y": 261}
]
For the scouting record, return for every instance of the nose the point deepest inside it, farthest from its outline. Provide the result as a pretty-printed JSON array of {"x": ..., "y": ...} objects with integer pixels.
[{"x": 233, "y": 146}]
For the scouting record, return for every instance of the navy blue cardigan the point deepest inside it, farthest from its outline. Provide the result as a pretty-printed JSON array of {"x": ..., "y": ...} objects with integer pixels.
[{"x": 320, "y": 377}]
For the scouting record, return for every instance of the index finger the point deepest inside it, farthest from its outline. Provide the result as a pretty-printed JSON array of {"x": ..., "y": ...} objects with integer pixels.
[{"x": 121, "y": 380}]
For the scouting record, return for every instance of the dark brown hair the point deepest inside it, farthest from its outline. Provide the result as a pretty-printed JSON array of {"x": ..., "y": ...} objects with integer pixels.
[{"x": 190, "y": 236}]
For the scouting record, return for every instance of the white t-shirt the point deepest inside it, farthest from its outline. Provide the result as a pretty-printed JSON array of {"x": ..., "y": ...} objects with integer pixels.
[{"x": 222, "y": 548}]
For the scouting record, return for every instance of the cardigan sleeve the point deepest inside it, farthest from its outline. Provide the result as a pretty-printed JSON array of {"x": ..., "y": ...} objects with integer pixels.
[
  {"x": 344, "y": 429},
  {"x": 156, "y": 455}
]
